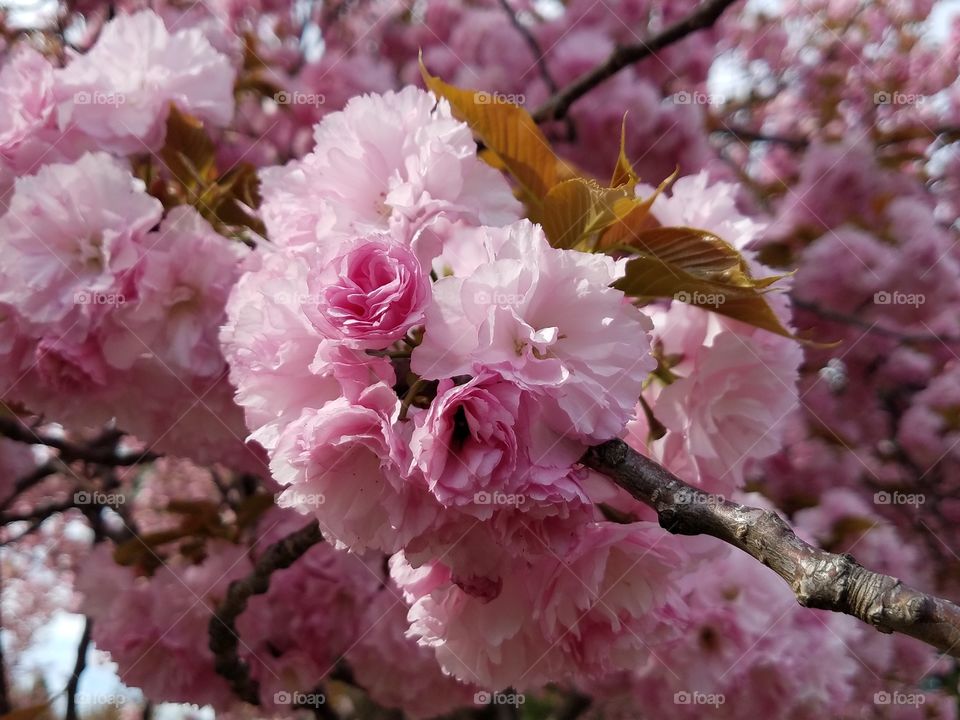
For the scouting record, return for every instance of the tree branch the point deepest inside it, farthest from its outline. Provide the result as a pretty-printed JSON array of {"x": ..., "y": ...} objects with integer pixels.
[
  {"x": 871, "y": 327},
  {"x": 818, "y": 578},
  {"x": 78, "y": 668},
  {"x": 15, "y": 429},
  {"x": 222, "y": 628},
  {"x": 556, "y": 107},
  {"x": 745, "y": 135},
  {"x": 21, "y": 485},
  {"x": 532, "y": 43}
]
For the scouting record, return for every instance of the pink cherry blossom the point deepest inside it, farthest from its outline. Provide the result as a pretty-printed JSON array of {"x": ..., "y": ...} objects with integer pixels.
[
  {"x": 345, "y": 464},
  {"x": 395, "y": 670},
  {"x": 119, "y": 92},
  {"x": 547, "y": 320},
  {"x": 156, "y": 628},
  {"x": 478, "y": 441},
  {"x": 181, "y": 305},
  {"x": 391, "y": 160},
  {"x": 271, "y": 346},
  {"x": 70, "y": 240},
  {"x": 370, "y": 294},
  {"x": 552, "y": 617}
]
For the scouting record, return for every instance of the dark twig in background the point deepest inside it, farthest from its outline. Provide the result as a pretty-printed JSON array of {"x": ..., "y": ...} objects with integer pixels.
[
  {"x": 556, "y": 107},
  {"x": 15, "y": 429}
]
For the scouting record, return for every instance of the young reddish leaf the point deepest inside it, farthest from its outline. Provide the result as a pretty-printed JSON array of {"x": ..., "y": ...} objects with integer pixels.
[
  {"x": 188, "y": 152},
  {"x": 636, "y": 219},
  {"x": 623, "y": 173},
  {"x": 576, "y": 211},
  {"x": 697, "y": 252},
  {"x": 649, "y": 276},
  {"x": 507, "y": 131}
]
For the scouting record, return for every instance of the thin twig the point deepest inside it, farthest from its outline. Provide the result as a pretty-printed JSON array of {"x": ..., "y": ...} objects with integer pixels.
[
  {"x": 752, "y": 136},
  {"x": 224, "y": 640},
  {"x": 15, "y": 429},
  {"x": 78, "y": 668},
  {"x": 556, "y": 107},
  {"x": 533, "y": 44},
  {"x": 818, "y": 578},
  {"x": 845, "y": 319}
]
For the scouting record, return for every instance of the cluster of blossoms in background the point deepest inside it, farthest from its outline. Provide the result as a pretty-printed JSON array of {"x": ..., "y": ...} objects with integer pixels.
[{"x": 242, "y": 237}]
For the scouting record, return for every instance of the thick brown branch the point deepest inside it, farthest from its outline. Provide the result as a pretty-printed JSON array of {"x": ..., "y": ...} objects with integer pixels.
[
  {"x": 818, "y": 578},
  {"x": 223, "y": 631},
  {"x": 556, "y": 107}
]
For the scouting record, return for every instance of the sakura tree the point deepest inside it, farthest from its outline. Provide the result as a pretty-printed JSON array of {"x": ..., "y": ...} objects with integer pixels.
[{"x": 387, "y": 359}]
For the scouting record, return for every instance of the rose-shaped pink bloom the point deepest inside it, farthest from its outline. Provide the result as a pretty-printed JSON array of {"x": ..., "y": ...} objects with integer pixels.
[
  {"x": 477, "y": 448},
  {"x": 467, "y": 442},
  {"x": 369, "y": 295}
]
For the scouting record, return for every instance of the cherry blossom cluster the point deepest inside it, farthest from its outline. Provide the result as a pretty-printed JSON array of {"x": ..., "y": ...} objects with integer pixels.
[
  {"x": 96, "y": 298},
  {"x": 424, "y": 371}
]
